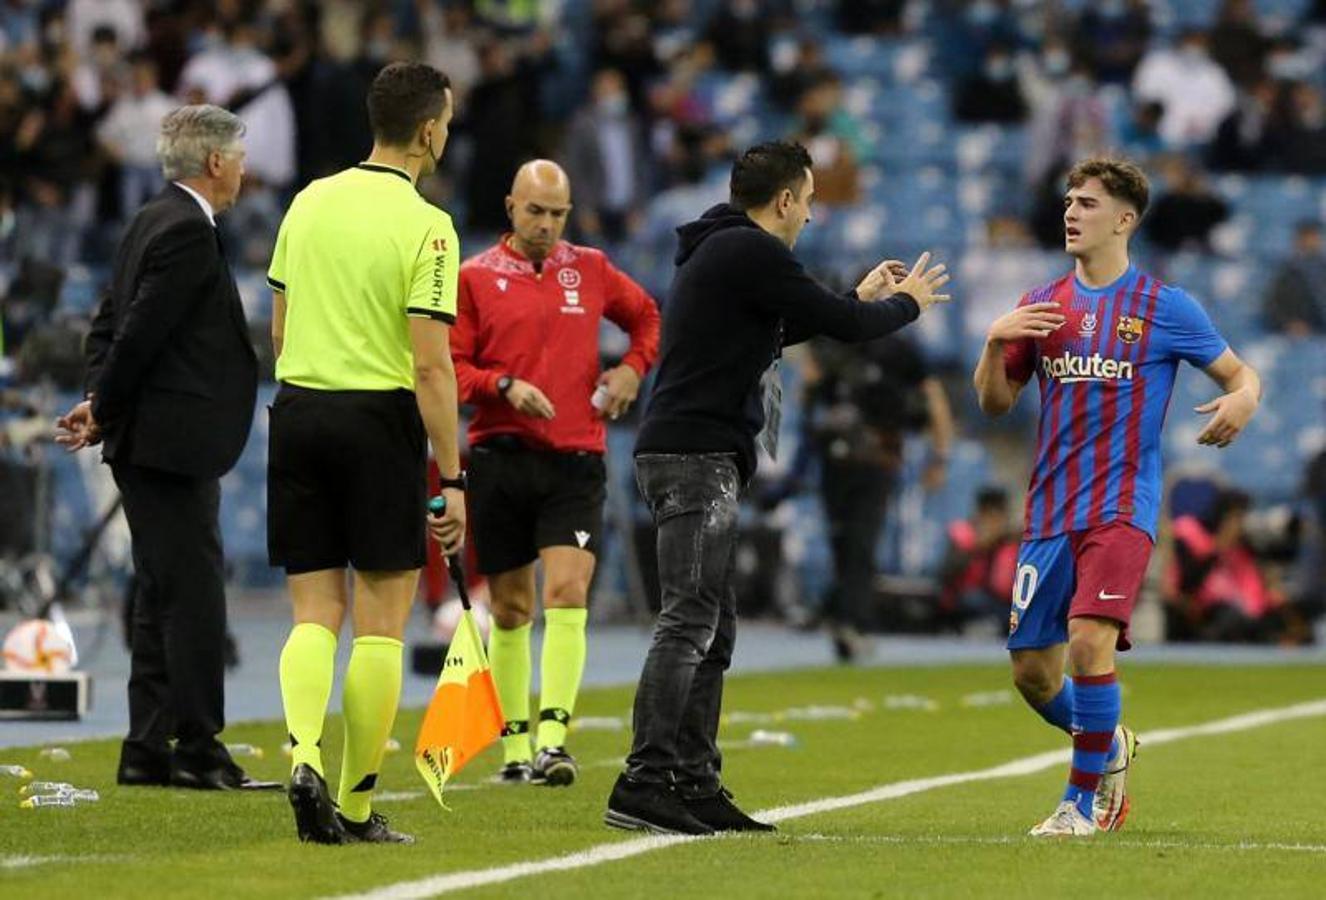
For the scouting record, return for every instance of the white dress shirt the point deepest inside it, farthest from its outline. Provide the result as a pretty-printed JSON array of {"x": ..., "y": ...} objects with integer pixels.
[{"x": 202, "y": 201}]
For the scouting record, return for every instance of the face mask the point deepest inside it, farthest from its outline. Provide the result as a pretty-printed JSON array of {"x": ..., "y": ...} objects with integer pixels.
[
  {"x": 614, "y": 106},
  {"x": 982, "y": 13},
  {"x": 7, "y": 224},
  {"x": 1288, "y": 67},
  {"x": 378, "y": 48},
  {"x": 999, "y": 69},
  {"x": 1056, "y": 63}
]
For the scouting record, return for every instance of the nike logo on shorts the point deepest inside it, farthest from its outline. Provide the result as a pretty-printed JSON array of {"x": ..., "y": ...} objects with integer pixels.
[
  {"x": 582, "y": 538},
  {"x": 1104, "y": 596}
]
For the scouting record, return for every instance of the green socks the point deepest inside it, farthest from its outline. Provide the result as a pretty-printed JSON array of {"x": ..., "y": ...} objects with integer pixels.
[
  {"x": 308, "y": 663},
  {"x": 562, "y": 665},
  {"x": 372, "y": 693},
  {"x": 508, "y": 657}
]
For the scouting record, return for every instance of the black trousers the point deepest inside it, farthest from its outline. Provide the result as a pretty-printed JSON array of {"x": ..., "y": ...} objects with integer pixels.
[
  {"x": 855, "y": 496},
  {"x": 694, "y": 502},
  {"x": 176, "y": 680}
]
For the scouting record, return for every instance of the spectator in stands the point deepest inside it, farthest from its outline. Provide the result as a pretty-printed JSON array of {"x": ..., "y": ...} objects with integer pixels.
[
  {"x": 1111, "y": 36},
  {"x": 1237, "y": 42},
  {"x": 503, "y": 108},
  {"x": 123, "y": 18},
  {"x": 1069, "y": 120},
  {"x": 1295, "y": 302},
  {"x": 449, "y": 39},
  {"x": 55, "y": 142},
  {"x": 605, "y": 161},
  {"x": 1188, "y": 211},
  {"x": 1298, "y": 133},
  {"x": 976, "y": 577},
  {"x": 96, "y": 74},
  {"x": 796, "y": 72},
  {"x": 1241, "y": 142},
  {"x": 869, "y": 16},
  {"x": 1195, "y": 91},
  {"x": 1215, "y": 589},
  {"x": 1139, "y": 136},
  {"x": 833, "y": 137},
  {"x": 1307, "y": 581},
  {"x": 993, "y": 94},
  {"x": 740, "y": 33},
  {"x": 128, "y": 134}
]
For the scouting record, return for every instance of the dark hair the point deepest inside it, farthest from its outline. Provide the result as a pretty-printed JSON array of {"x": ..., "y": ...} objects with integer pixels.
[
  {"x": 991, "y": 498},
  {"x": 1228, "y": 501},
  {"x": 401, "y": 97},
  {"x": 764, "y": 170},
  {"x": 1121, "y": 178}
]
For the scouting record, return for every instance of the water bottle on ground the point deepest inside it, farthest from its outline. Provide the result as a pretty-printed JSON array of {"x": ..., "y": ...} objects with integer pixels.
[
  {"x": 244, "y": 750},
  {"x": 48, "y": 800},
  {"x": 763, "y": 738},
  {"x": 56, "y": 754},
  {"x": 45, "y": 787},
  {"x": 16, "y": 771}
]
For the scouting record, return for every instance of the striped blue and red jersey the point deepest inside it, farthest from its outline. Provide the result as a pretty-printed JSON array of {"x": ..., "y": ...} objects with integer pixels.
[{"x": 1105, "y": 383}]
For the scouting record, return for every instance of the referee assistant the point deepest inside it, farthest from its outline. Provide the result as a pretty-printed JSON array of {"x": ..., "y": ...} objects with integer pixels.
[
  {"x": 526, "y": 347},
  {"x": 365, "y": 278}
]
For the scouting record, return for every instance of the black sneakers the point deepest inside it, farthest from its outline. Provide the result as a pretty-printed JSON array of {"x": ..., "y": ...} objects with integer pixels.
[
  {"x": 650, "y": 806},
  {"x": 315, "y": 816},
  {"x": 515, "y": 773},
  {"x": 721, "y": 814},
  {"x": 374, "y": 831},
  {"x": 554, "y": 767}
]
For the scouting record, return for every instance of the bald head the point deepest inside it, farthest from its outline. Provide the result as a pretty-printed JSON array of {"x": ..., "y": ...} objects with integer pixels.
[
  {"x": 538, "y": 205},
  {"x": 541, "y": 176}
]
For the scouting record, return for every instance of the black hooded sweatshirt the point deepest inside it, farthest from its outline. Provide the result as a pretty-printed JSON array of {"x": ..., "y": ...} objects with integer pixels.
[{"x": 738, "y": 297}]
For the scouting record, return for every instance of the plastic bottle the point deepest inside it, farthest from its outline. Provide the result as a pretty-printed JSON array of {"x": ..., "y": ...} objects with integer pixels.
[
  {"x": 48, "y": 800},
  {"x": 38, "y": 787},
  {"x": 392, "y": 745},
  {"x": 16, "y": 771},
  {"x": 56, "y": 754},
  {"x": 245, "y": 750},
  {"x": 762, "y": 738},
  {"x": 82, "y": 795}
]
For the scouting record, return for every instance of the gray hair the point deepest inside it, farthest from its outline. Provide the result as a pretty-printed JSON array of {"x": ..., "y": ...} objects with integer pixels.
[{"x": 190, "y": 134}]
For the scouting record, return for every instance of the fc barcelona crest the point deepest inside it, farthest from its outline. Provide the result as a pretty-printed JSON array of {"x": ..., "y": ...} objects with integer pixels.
[{"x": 1130, "y": 329}]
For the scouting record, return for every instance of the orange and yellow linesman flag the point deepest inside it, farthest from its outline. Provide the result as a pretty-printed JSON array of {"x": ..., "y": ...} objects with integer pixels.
[{"x": 464, "y": 715}]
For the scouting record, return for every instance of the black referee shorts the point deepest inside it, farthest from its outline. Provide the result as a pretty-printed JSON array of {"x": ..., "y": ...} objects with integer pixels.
[
  {"x": 346, "y": 481},
  {"x": 521, "y": 500}
]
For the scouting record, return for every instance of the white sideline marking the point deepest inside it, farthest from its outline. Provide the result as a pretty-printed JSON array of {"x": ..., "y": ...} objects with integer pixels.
[
  {"x": 596, "y": 855},
  {"x": 25, "y": 861},
  {"x": 1113, "y": 842}
]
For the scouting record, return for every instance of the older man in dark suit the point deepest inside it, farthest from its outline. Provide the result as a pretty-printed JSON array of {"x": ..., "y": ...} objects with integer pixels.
[{"x": 171, "y": 385}]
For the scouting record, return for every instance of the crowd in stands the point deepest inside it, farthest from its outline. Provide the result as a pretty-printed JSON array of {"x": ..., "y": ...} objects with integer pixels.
[{"x": 931, "y": 122}]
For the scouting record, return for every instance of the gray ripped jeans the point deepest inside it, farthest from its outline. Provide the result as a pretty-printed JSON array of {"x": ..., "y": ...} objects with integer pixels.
[{"x": 694, "y": 501}]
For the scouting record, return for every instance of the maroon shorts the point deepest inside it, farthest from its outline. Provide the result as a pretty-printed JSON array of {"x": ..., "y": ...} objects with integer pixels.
[{"x": 1097, "y": 572}]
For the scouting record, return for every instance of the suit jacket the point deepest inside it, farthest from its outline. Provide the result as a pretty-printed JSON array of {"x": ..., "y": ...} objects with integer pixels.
[{"x": 170, "y": 366}]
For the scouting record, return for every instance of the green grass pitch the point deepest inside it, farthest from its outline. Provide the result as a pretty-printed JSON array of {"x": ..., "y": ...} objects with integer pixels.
[{"x": 1238, "y": 815}]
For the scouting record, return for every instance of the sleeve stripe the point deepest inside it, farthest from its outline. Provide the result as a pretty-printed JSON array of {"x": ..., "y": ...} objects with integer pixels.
[
  {"x": 436, "y": 314},
  {"x": 275, "y": 285}
]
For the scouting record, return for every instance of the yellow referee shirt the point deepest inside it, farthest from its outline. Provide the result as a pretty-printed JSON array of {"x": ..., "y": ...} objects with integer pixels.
[{"x": 357, "y": 254}]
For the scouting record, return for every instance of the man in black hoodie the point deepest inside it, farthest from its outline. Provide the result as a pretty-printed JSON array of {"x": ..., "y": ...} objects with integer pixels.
[{"x": 739, "y": 296}]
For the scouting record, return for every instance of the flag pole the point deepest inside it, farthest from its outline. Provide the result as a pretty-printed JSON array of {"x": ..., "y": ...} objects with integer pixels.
[{"x": 436, "y": 507}]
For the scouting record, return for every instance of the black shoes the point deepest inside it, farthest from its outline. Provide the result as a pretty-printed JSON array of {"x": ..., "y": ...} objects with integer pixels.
[
  {"x": 515, "y": 773},
  {"x": 316, "y": 818},
  {"x": 142, "y": 776},
  {"x": 554, "y": 767},
  {"x": 221, "y": 778},
  {"x": 721, "y": 814},
  {"x": 374, "y": 831},
  {"x": 650, "y": 806}
]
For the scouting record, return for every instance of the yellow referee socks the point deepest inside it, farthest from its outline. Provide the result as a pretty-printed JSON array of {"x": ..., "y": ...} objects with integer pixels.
[
  {"x": 508, "y": 657},
  {"x": 560, "y": 669},
  {"x": 308, "y": 663},
  {"x": 372, "y": 693}
]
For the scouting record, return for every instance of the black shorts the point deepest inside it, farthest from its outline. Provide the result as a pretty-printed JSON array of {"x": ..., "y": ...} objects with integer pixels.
[
  {"x": 346, "y": 481},
  {"x": 522, "y": 500}
]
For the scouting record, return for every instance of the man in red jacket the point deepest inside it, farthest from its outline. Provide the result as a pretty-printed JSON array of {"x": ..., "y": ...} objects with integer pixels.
[{"x": 526, "y": 349}]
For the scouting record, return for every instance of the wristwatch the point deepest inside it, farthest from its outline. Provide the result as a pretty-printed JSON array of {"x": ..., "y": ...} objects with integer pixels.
[
  {"x": 459, "y": 483},
  {"x": 504, "y": 384}
]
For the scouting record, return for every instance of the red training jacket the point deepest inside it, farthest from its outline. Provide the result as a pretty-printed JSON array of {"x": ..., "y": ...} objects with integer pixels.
[{"x": 544, "y": 328}]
